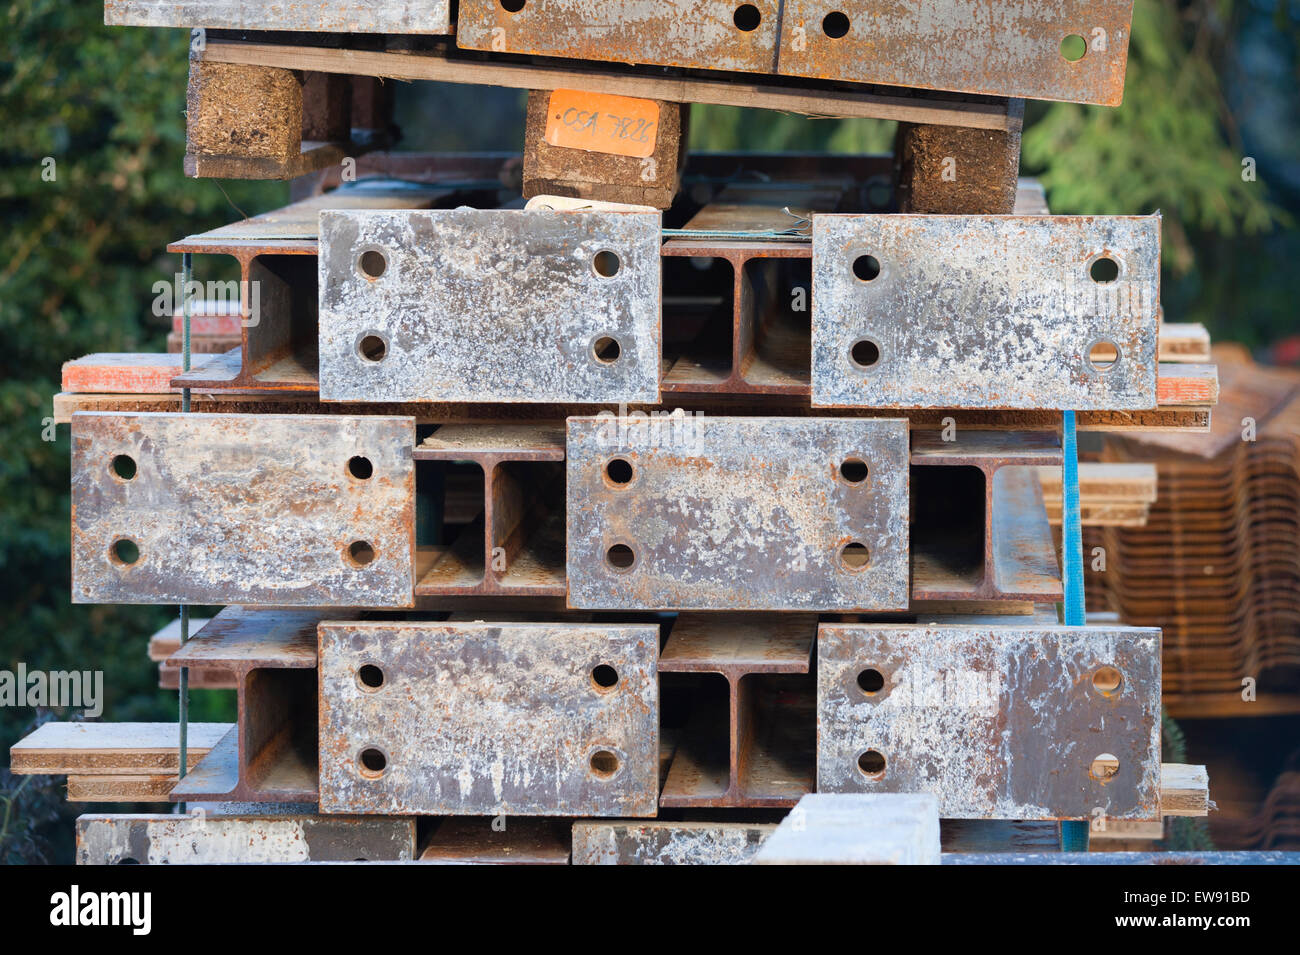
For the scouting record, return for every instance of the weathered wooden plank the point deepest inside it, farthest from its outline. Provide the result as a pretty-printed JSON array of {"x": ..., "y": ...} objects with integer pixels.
[
  {"x": 1184, "y": 790},
  {"x": 120, "y": 788},
  {"x": 122, "y": 373},
  {"x": 111, "y": 749},
  {"x": 1161, "y": 420},
  {"x": 748, "y": 91}
]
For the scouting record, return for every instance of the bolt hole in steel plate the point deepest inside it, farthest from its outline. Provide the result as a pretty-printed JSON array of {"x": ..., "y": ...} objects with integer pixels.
[
  {"x": 871, "y": 763},
  {"x": 604, "y": 676},
  {"x": 372, "y": 762},
  {"x": 738, "y": 514},
  {"x": 490, "y": 305},
  {"x": 263, "y": 510},
  {"x": 372, "y": 348},
  {"x": 705, "y": 34},
  {"x": 482, "y": 718},
  {"x": 1073, "y": 50},
  {"x": 998, "y": 721},
  {"x": 984, "y": 311},
  {"x": 372, "y": 263},
  {"x": 370, "y": 676},
  {"x": 871, "y": 681}
]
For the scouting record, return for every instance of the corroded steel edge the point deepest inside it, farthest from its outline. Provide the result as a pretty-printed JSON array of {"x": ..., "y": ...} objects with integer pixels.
[{"x": 998, "y": 722}]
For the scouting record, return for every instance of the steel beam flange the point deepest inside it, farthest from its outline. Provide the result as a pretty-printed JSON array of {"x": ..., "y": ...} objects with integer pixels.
[
  {"x": 489, "y": 305},
  {"x": 693, "y": 513},
  {"x": 999, "y": 722},
  {"x": 913, "y": 311},
  {"x": 482, "y": 718}
]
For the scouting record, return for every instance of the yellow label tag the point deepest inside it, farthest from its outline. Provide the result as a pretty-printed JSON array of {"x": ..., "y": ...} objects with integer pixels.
[{"x": 602, "y": 123}]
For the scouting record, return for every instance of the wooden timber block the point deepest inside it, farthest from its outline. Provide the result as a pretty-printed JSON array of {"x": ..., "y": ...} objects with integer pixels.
[
  {"x": 121, "y": 373},
  {"x": 1184, "y": 790},
  {"x": 951, "y": 170},
  {"x": 327, "y": 107},
  {"x": 1126, "y": 830},
  {"x": 120, "y": 788},
  {"x": 110, "y": 749},
  {"x": 242, "y": 112},
  {"x": 169, "y": 678},
  {"x": 616, "y": 148}
]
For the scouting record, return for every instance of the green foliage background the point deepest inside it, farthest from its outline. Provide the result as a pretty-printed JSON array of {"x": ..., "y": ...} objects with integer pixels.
[{"x": 1208, "y": 84}]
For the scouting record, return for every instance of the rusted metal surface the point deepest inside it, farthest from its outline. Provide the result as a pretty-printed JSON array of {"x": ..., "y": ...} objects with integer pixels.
[
  {"x": 511, "y": 540},
  {"x": 856, "y": 829},
  {"x": 483, "y": 718},
  {"x": 755, "y": 749},
  {"x": 242, "y": 639},
  {"x": 997, "y": 721},
  {"x": 985, "y": 311},
  {"x": 735, "y": 310},
  {"x": 972, "y": 46},
  {"x": 707, "y": 34},
  {"x": 205, "y": 838},
  {"x": 349, "y": 16},
  {"x": 489, "y": 305},
  {"x": 737, "y": 513},
  {"x": 272, "y": 655},
  {"x": 498, "y": 841},
  {"x": 263, "y": 510},
  {"x": 978, "y": 519},
  {"x": 668, "y": 843}
]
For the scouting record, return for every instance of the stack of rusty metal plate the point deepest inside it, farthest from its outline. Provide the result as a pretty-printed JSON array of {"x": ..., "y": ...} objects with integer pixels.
[
  {"x": 1217, "y": 565},
  {"x": 554, "y": 501},
  {"x": 1271, "y": 823}
]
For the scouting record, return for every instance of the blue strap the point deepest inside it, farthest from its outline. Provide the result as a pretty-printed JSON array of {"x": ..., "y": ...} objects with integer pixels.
[
  {"x": 1071, "y": 525},
  {"x": 1074, "y": 834}
]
